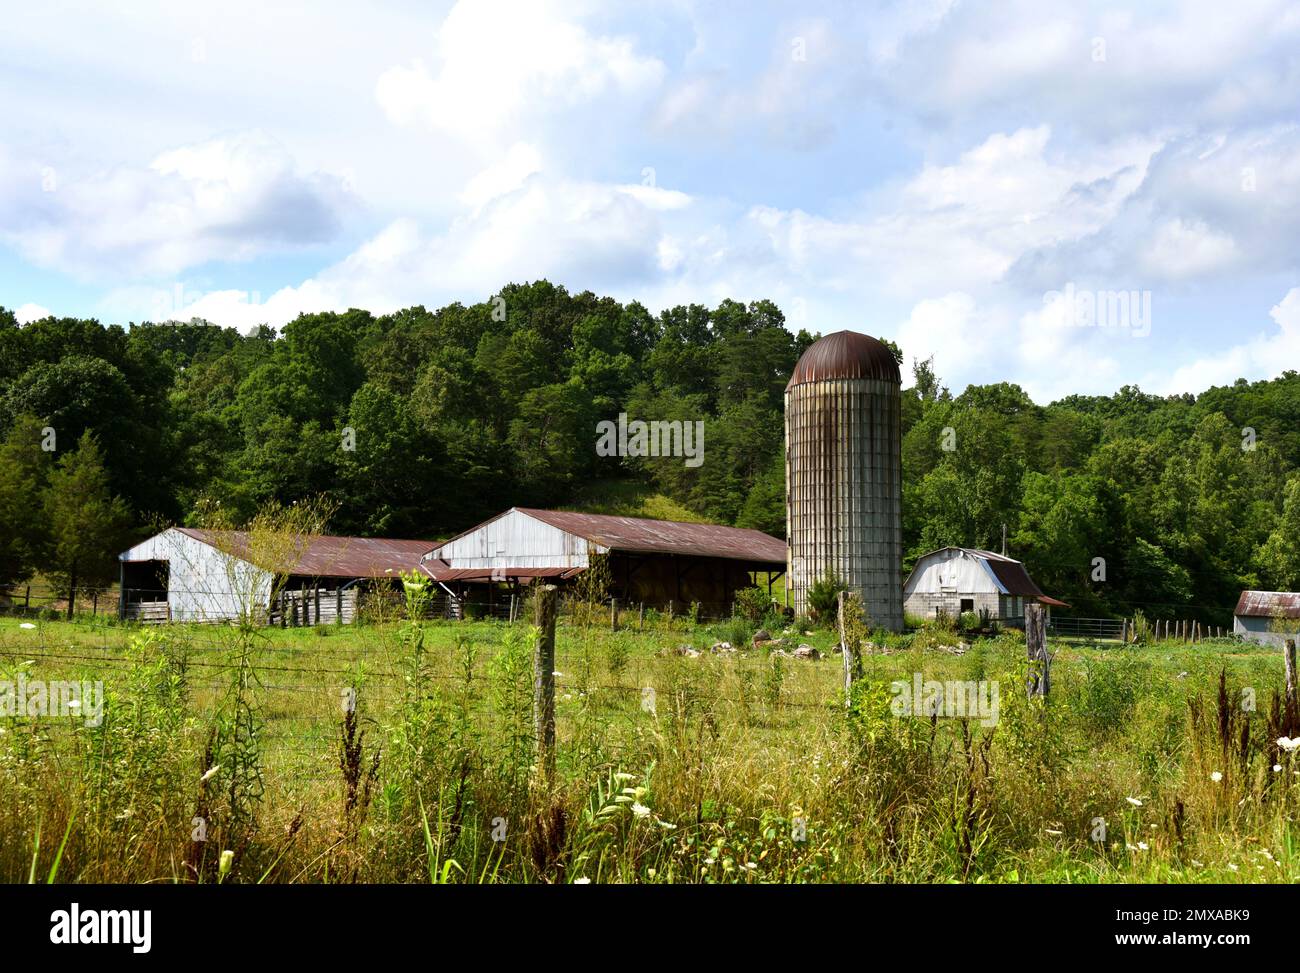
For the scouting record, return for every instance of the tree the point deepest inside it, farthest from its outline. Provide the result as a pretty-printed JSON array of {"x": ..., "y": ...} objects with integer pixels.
[
  {"x": 1279, "y": 557},
  {"x": 24, "y": 467},
  {"x": 88, "y": 525}
]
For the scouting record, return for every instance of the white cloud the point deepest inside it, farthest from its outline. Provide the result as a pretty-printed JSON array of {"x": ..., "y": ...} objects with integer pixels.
[
  {"x": 225, "y": 199},
  {"x": 502, "y": 63},
  {"x": 1099, "y": 65},
  {"x": 27, "y": 313},
  {"x": 964, "y": 225},
  {"x": 1185, "y": 248},
  {"x": 579, "y": 234},
  {"x": 520, "y": 161},
  {"x": 1264, "y": 356},
  {"x": 953, "y": 331},
  {"x": 1208, "y": 206}
]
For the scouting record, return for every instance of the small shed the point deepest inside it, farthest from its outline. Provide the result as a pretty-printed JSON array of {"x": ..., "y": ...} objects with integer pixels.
[
  {"x": 953, "y": 580},
  {"x": 654, "y": 562},
  {"x": 1268, "y": 617},
  {"x": 193, "y": 575}
]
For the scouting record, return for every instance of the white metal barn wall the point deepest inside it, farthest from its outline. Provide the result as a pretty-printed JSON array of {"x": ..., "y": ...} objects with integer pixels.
[
  {"x": 844, "y": 491},
  {"x": 515, "y": 540},
  {"x": 953, "y": 570},
  {"x": 204, "y": 583}
]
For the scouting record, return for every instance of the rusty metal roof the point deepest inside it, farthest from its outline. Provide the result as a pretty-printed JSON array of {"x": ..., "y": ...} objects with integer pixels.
[
  {"x": 1268, "y": 604},
  {"x": 845, "y": 354},
  {"x": 639, "y": 535},
  {"x": 333, "y": 557}
]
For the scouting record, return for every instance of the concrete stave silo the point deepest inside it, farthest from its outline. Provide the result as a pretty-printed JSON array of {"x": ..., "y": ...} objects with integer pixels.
[{"x": 843, "y": 434}]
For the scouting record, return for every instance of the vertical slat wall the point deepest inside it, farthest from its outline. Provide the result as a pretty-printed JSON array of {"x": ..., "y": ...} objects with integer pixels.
[{"x": 844, "y": 491}]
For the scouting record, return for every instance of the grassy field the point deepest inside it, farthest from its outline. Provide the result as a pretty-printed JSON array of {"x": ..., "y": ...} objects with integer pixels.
[{"x": 1155, "y": 763}]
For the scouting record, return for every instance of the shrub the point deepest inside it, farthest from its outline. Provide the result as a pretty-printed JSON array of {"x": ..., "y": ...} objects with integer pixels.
[
  {"x": 823, "y": 596},
  {"x": 753, "y": 603}
]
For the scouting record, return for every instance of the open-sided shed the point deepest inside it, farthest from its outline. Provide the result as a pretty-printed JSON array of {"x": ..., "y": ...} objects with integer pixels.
[
  {"x": 655, "y": 562},
  {"x": 188, "y": 574}
]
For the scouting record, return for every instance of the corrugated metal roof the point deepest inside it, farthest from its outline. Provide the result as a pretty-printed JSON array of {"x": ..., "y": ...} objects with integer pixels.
[
  {"x": 845, "y": 354},
  {"x": 333, "y": 557},
  {"x": 1268, "y": 604},
  {"x": 637, "y": 534}
]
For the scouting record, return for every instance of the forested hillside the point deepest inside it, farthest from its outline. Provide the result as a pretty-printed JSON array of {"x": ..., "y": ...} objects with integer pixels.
[{"x": 460, "y": 412}]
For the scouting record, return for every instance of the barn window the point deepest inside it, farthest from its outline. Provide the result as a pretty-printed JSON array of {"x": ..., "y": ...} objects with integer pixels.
[{"x": 967, "y": 605}]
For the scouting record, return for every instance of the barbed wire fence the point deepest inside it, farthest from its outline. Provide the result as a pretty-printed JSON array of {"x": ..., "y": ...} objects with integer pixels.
[{"x": 302, "y": 736}]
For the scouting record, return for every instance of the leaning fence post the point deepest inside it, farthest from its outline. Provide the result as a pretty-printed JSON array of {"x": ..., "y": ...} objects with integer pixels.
[
  {"x": 1292, "y": 700},
  {"x": 544, "y": 680},
  {"x": 1040, "y": 681},
  {"x": 847, "y": 654}
]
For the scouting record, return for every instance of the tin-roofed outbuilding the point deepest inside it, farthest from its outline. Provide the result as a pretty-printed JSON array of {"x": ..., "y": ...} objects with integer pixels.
[
  {"x": 953, "y": 580},
  {"x": 189, "y": 574},
  {"x": 1268, "y": 617},
  {"x": 655, "y": 562}
]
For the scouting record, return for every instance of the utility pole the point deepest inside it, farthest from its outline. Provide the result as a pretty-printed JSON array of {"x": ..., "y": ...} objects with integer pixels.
[{"x": 1004, "y": 540}]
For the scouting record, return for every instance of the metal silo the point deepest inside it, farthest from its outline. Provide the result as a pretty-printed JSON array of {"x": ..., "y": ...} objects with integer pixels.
[{"x": 843, "y": 473}]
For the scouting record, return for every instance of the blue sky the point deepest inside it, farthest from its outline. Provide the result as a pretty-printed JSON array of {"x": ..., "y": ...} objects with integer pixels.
[{"x": 936, "y": 172}]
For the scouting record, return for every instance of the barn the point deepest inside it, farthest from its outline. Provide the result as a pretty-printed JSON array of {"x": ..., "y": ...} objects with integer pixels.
[
  {"x": 953, "y": 580},
  {"x": 1268, "y": 617},
  {"x": 658, "y": 563},
  {"x": 192, "y": 575}
]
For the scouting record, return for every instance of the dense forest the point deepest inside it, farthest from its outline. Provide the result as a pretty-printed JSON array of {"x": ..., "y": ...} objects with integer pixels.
[{"x": 422, "y": 423}]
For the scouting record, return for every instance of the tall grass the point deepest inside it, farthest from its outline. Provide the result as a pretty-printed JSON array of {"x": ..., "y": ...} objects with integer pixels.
[{"x": 1147, "y": 763}]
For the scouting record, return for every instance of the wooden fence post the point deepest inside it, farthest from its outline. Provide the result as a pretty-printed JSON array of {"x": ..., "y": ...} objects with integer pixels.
[
  {"x": 670, "y": 609},
  {"x": 613, "y": 614},
  {"x": 1040, "y": 676},
  {"x": 338, "y": 605},
  {"x": 848, "y": 653},
  {"x": 640, "y": 618},
  {"x": 544, "y": 680},
  {"x": 1292, "y": 700}
]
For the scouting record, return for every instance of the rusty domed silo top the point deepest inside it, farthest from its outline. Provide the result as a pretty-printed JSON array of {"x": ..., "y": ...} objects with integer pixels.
[{"x": 845, "y": 354}]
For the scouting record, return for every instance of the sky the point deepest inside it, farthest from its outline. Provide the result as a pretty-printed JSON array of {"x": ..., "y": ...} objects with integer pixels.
[{"x": 1070, "y": 196}]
